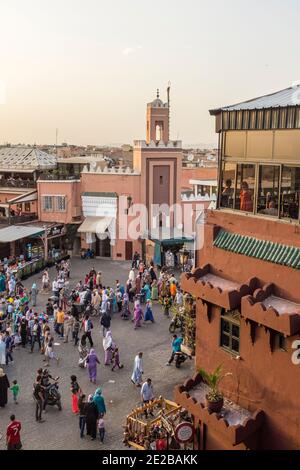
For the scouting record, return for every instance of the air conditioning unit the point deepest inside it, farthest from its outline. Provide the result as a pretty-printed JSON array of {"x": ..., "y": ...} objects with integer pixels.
[{"x": 76, "y": 211}]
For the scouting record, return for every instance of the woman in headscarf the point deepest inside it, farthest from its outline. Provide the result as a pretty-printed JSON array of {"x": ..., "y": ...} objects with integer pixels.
[
  {"x": 131, "y": 276},
  {"x": 137, "y": 374},
  {"x": 91, "y": 418},
  {"x": 99, "y": 402},
  {"x": 104, "y": 300},
  {"x": 92, "y": 361},
  {"x": 137, "y": 315},
  {"x": 83, "y": 351},
  {"x": 2, "y": 351},
  {"x": 154, "y": 290},
  {"x": 4, "y": 386},
  {"x": 108, "y": 346},
  {"x": 147, "y": 291},
  {"x": 148, "y": 315},
  {"x": 2, "y": 283},
  {"x": 125, "y": 307},
  {"x": 34, "y": 293},
  {"x": 23, "y": 331},
  {"x": 75, "y": 393}
]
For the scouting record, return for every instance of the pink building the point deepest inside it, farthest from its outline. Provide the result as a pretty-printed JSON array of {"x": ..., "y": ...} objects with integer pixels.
[{"x": 102, "y": 203}]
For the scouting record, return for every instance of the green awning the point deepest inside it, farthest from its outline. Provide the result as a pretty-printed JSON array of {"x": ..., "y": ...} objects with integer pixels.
[{"x": 261, "y": 249}]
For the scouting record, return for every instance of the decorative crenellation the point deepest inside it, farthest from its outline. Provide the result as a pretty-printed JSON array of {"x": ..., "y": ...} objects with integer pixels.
[
  {"x": 171, "y": 144},
  {"x": 112, "y": 171},
  {"x": 195, "y": 284}
]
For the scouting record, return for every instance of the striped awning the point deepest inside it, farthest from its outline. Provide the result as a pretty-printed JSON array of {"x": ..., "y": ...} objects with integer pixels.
[{"x": 261, "y": 249}]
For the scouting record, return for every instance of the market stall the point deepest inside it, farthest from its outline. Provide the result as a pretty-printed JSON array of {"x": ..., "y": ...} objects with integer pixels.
[{"x": 163, "y": 431}]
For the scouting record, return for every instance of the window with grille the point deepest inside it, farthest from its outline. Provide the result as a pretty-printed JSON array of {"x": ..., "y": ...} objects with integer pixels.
[
  {"x": 230, "y": 331},
  {"x": 48, "y": 203},
  {"x": 60, "y": 203}
]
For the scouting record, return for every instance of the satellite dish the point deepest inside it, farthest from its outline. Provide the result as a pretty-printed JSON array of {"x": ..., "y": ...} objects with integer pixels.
[{"x": 190, "y": 157}]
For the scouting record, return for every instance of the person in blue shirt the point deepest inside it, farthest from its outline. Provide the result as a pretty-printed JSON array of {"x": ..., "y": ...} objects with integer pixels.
[{"x": 176, "y": 347}]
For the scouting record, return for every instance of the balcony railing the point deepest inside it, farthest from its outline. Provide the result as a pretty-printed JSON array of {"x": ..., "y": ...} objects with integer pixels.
[
  {"x": 55, "y": 177},
  {"x": 12, "y": 183},
  {"x": 17, "y": 219}
]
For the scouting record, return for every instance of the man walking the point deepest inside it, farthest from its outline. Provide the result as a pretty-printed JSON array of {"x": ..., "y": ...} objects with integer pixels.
[
  {"x": 147, "y": 394},
  {"x": 36, "y": 335},
  {"x": 87, "y": 328},
  {"x": 13, "y": 437},
  {"x": 39, "y": 399}
]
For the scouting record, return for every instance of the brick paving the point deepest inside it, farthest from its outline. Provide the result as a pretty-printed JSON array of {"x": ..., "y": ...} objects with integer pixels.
[{"x": 60, "y": 429}]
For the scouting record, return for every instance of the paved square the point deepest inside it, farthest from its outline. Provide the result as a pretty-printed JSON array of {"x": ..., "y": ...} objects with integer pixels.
[{"x": 60, "y": 430}]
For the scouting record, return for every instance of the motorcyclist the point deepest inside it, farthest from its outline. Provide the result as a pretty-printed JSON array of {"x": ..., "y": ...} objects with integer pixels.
[
  {"x": 176, "y": 348},
  {"x": 45, "y": 383}
]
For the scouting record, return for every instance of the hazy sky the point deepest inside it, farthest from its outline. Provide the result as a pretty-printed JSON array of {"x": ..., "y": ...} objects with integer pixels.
[{"x": 88, "y": 67}]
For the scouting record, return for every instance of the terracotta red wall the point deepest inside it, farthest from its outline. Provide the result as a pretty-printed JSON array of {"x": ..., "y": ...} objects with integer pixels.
[
  {"x": 261, "y": 379},
  {"x": 239, "y": 267},
  {"x": 69, "y": 189},
  {"x": 188, "y": 174}
]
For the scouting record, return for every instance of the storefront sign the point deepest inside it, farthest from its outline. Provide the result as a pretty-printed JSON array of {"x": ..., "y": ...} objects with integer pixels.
[
  {"x": 55, "y": 231},
  {"x": 184, "y": 432}
]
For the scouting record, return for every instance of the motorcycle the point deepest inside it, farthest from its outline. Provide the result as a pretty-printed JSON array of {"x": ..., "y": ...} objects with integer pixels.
[
  {"x": 52, "y": 396},
  {"x": 180, "y": 358},
  {"x": 177, "y": 323}
]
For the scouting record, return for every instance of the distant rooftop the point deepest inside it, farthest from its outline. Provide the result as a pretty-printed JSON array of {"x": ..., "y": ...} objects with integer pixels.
[
  {"x": 283, "y": 98},
  {"x": 25, "y": 159}
]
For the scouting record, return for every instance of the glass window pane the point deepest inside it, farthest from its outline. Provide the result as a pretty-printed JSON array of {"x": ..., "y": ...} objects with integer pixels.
[
  {"x": 246, "y": 120},
  {"x": 232, "y": 115},
  {"x": 236, "y": 331},
  {"x": 282, "y": 118},
  {"x": 225, "y": 120},
  {"x": 253, "y": 119},
  {"x": 290, "y": 192},
  {"x": 244, "y": 190},
  {"x": 235, "y": 345},
  {"x": 260, "y": 119},
  {"x": 225, "y": 341},
  {"x": 291, "y": 118},
  {"x": 228, "y": 179},
  {"x": 225, "y": 326},
  {"x": 268, "y": 190},
  {"x": 275, "y": 115},
  {"x": 239, "y": 120},
  {"x": 267, "y": 119}
]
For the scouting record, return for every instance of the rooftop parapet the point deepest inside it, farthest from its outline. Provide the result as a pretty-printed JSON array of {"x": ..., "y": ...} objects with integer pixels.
[
  {"x": 277, "y": 313},
  {"x": 207, "y": 285},
  {"x": 171, "y": 144}
]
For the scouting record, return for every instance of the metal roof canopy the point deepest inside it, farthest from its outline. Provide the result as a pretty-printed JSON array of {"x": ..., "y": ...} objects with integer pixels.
[
  {"x": 169, "y": 236},
  {"x": 96, "y": 225},
  {"x": 27, "y": 197},
  {"x": 17, "y": 232},
  {"x": 283, "y": 98}
]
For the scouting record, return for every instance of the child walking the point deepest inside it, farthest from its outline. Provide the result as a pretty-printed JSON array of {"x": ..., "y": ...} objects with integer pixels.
[
  {"x": 15, "y": 391},
  {"x": 101, "y": 427},
  {"x": 116, "y": 360}
]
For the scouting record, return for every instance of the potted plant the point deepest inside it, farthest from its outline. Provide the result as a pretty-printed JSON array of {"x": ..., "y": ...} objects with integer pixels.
[{"x": 214, "y": 398}]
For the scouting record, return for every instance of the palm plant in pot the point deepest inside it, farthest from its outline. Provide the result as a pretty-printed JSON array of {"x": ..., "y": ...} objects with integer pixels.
[{"x": 214, "y": 398}]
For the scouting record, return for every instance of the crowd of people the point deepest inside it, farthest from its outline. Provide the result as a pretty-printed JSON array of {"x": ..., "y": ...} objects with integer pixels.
[{"x": 69, "y": 315}]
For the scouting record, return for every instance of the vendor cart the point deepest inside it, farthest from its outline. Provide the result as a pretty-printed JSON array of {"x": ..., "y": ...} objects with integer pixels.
[{"x": 142, "y": 433}]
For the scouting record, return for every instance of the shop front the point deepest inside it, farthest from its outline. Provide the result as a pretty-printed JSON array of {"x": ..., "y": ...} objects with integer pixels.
[
  {"x": 26, "y": 249},
  {"x": 170, "y": 248}
]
